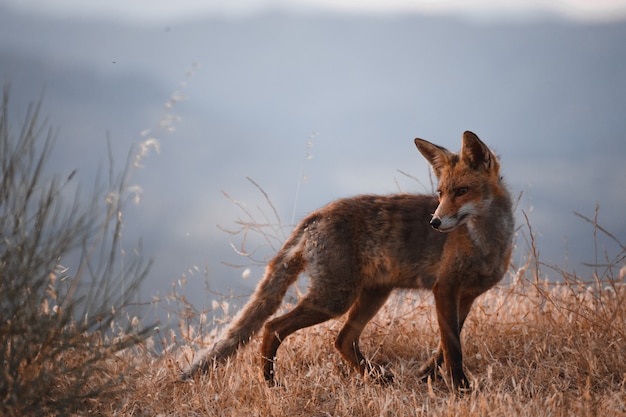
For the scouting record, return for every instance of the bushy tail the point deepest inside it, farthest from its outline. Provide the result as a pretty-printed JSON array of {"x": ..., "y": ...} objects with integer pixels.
[{"x": 280, "y": 273}]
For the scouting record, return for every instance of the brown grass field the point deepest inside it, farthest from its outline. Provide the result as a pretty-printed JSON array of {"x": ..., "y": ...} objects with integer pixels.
[{"x": 531, "y": 349}]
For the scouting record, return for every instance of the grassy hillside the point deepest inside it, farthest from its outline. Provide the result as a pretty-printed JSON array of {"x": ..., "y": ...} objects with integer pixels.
[{"x": 531, "y": 349}]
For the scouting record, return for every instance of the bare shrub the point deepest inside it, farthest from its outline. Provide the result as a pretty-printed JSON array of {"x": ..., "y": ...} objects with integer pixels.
[{"x": 61, "y": 329}]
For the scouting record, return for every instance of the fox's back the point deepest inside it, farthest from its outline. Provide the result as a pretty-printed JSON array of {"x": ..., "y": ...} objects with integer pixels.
[{"x": 374, "y": 240}]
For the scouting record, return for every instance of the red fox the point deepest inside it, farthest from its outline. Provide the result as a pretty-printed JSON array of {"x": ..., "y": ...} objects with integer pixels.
[{"x": 357, "y": 250}]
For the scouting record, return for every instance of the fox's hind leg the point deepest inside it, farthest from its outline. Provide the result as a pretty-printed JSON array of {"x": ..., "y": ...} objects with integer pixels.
[
  {"x": 363, "y": 310},
  {"x": 315, "y": 308}
]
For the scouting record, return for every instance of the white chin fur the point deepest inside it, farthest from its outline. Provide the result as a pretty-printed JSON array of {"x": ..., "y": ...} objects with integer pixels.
[{"x": 448, "y": 223}]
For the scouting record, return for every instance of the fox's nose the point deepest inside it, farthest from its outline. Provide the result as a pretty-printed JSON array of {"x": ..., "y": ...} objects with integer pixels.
[{"x": 435, "y": 222}]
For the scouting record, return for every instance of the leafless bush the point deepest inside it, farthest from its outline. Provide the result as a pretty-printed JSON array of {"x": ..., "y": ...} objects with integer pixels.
[{"x": 61, "y": 328}]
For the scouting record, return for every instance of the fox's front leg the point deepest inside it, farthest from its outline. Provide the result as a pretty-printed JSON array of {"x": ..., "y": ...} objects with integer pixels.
[
  {"x": 429, "y": 368},
  {"x": 452, "y": 311}
]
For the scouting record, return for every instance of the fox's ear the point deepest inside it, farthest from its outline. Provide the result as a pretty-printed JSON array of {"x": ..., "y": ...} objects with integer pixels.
[
  {"x": 477, "y": 154},
  {"x": 437, "y": 156}
]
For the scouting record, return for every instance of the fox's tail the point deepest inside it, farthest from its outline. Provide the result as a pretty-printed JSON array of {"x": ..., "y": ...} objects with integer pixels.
[{"x": 281, "y": 272}]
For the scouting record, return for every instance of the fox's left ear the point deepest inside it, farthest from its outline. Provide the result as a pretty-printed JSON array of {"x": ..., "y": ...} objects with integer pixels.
[{"x": 477, "y": 154}]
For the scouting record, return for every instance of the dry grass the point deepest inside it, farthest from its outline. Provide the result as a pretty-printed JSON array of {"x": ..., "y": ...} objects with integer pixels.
[{"x": 531, "y": 349}]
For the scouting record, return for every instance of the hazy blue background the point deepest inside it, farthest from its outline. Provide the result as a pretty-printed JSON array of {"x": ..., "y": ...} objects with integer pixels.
[{"x": 545, "y": 88}]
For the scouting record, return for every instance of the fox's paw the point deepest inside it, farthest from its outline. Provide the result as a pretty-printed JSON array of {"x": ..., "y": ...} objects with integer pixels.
[
  {"x": 196, "y": 368},
  {"x": 380, "y": 375},
  {"x": 274, "y": 384},
  {"x": 461, "y": 383},
  {"x": 431, "y": 369},
  {"x": 186, "y": 375},
  {"x": 428, "y": 370}
]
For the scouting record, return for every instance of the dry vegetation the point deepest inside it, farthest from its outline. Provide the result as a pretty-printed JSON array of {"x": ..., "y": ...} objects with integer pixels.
[{"x": 532, "y": 347}]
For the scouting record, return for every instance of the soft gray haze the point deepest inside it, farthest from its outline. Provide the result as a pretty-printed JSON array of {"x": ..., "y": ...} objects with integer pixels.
[
  {"x": 163, "y": 10},
  {"x": 548, "y": 94}
]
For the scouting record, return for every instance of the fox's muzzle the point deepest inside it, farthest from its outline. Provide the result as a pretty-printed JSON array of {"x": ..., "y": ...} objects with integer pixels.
[{"x": 435, "y": 222}]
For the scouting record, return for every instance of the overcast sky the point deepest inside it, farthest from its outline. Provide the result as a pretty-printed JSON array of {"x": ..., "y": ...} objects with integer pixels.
[{"x": 592, "y": 10}]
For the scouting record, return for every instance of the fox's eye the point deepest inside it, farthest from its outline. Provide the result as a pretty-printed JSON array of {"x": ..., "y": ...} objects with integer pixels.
[{"x": 460, "y": 191}]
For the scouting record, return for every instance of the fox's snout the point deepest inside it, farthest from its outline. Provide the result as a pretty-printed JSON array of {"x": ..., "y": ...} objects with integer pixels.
[{"x": 435, "y": 222}]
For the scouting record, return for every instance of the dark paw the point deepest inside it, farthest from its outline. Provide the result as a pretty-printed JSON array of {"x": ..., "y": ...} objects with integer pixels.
[
  {"x": 380, "y": 375},
  {"x": 271, "y": 382},
  {"x": 188, "y": 374},
  {"x": 196, "y": 368},
  {"x": 462, "y": 384},
  {"x": 424, "y": 375},
  {"x": 428, "y": 370}
]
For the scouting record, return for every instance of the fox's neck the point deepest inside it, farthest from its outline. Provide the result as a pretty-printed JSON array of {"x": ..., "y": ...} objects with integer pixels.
[{"x": 496, "y": 226}]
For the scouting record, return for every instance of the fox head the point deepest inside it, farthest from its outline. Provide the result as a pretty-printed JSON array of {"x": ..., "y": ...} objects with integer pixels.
[{"x": 468, "y": 181}]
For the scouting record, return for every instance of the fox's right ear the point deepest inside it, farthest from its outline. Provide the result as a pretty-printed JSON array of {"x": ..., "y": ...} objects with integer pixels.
[{"x": 437, "y": 156}]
